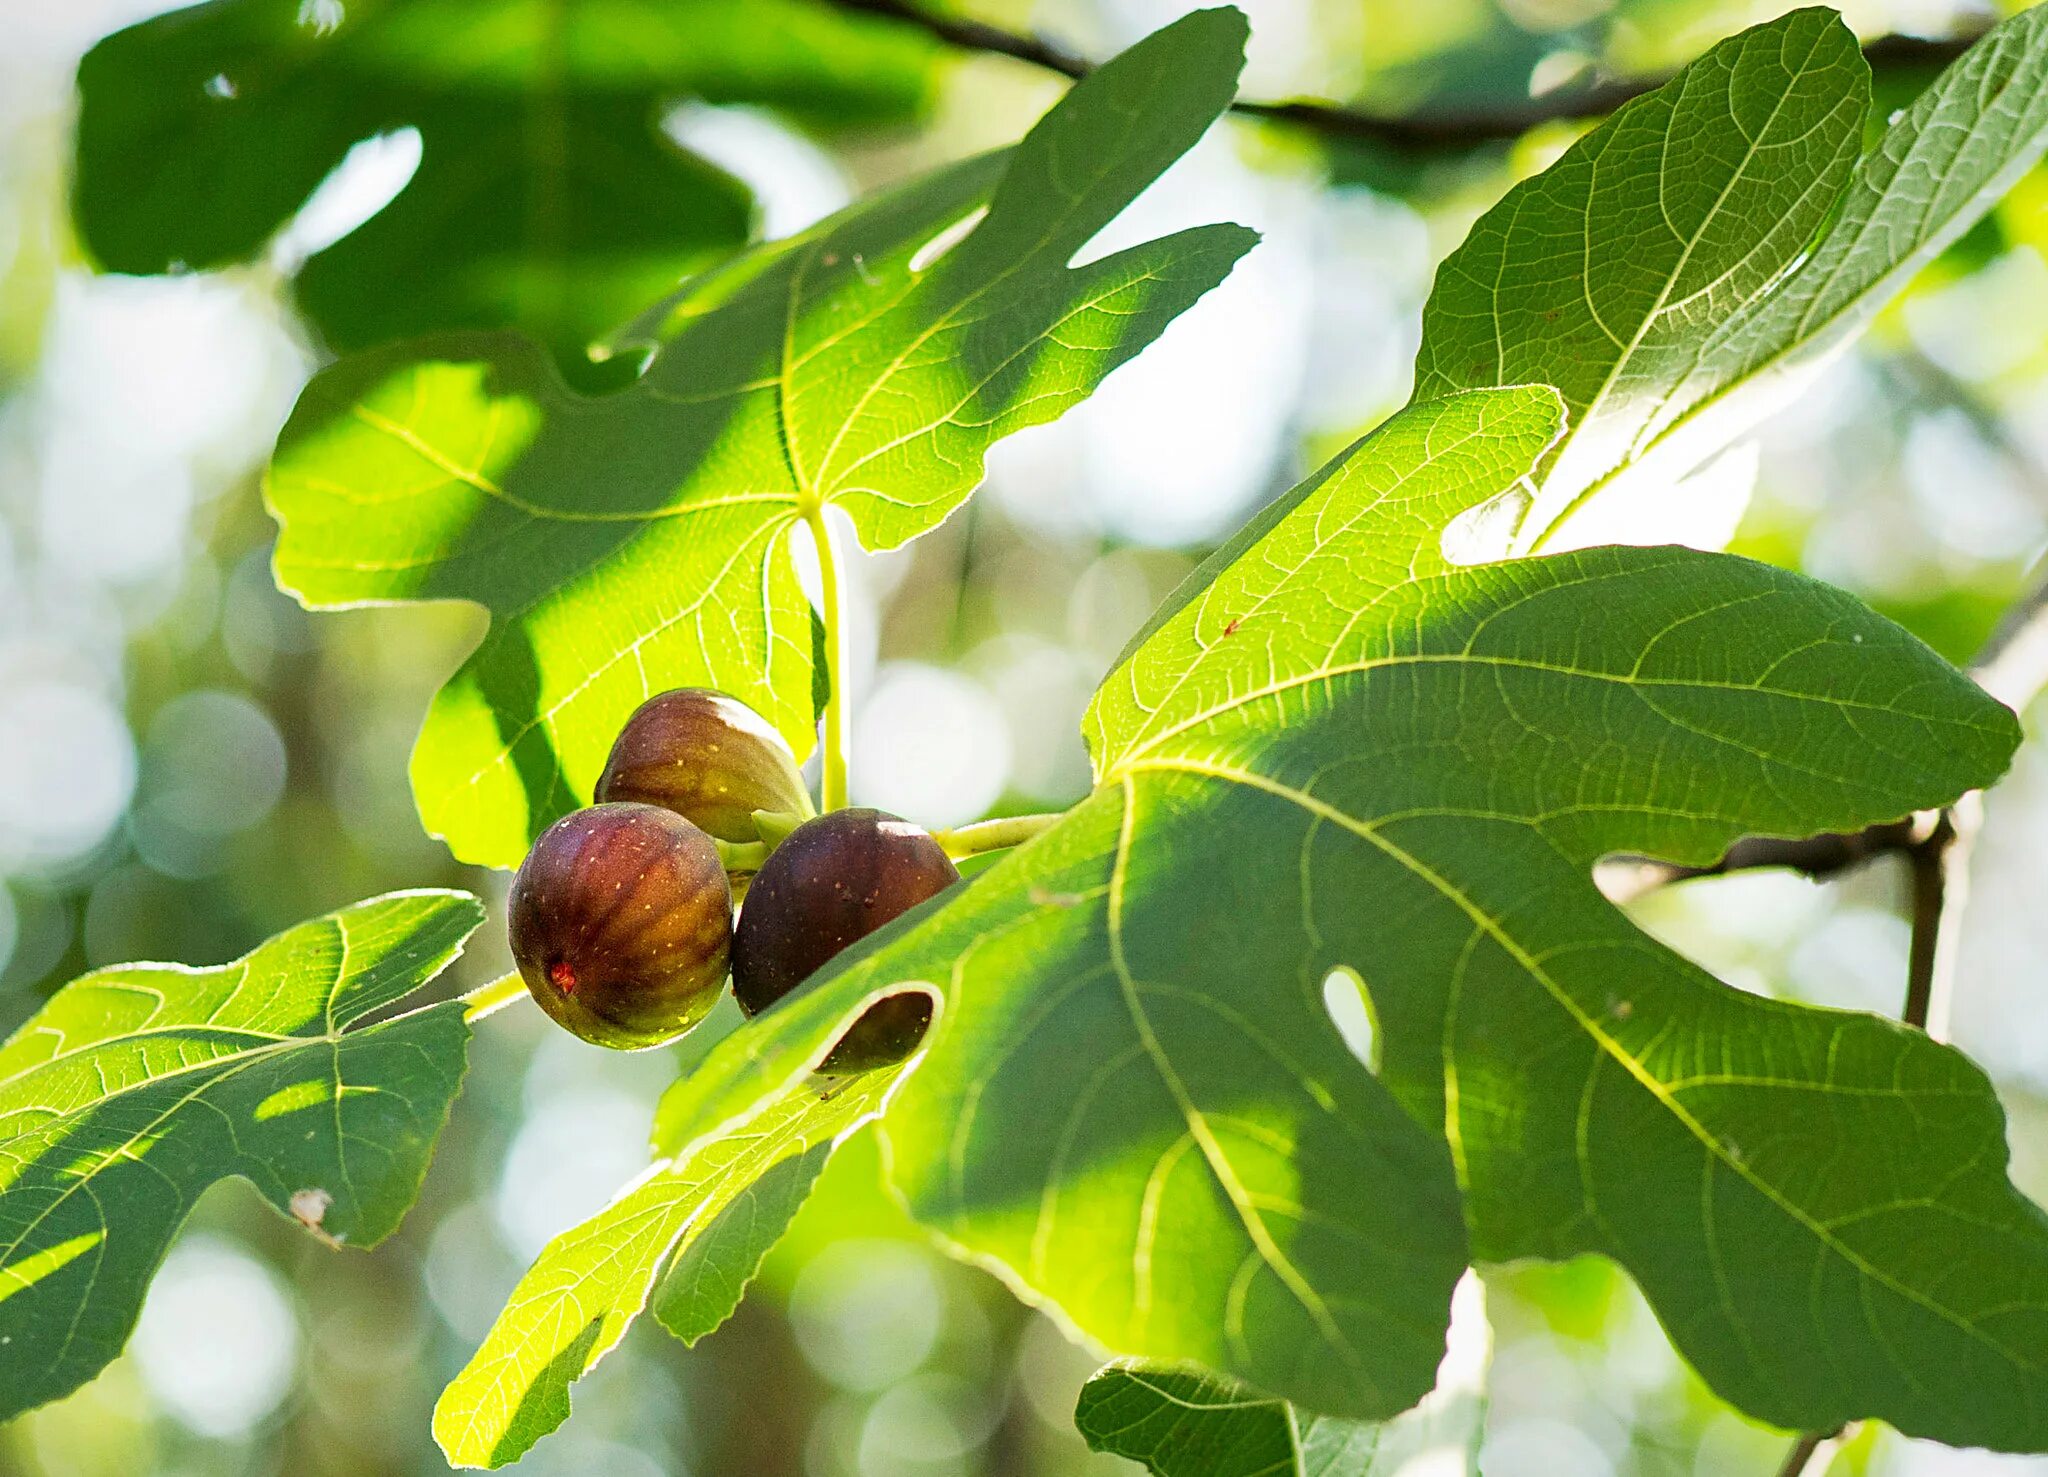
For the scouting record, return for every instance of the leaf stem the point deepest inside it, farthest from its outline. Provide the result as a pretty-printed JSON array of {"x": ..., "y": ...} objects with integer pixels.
[
  {"x": 834, "y": 763},
  {"x": 490, "y": 999},
  {"x": 995, "y": 835}
]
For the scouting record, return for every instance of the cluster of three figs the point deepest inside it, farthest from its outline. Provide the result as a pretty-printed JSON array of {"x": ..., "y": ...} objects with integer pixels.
[{"x": 622, "y": 914}]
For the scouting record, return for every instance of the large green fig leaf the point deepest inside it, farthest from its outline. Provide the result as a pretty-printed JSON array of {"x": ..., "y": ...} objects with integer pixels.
[
  {"x": 1345, "y": 758},
  {"x": 1681, "y": 268},
  {"x": 547, "y": 195},
  {"x": 139, "y": 1086},
  {"x": 641, "y": 540}
]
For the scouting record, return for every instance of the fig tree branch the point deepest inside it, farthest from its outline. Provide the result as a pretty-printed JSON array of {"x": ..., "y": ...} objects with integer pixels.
[
  {"x": 1933, "y": 865},
  {"x": 1425, "y": 130},
  {"x": 1624, "y": 879}
]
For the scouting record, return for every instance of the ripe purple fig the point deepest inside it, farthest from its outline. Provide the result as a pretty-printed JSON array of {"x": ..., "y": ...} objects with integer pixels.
[
  {"x": 709, "y": 758},
  {"x": 621, "y": 922},
  {"x": 834, "y": 880}
]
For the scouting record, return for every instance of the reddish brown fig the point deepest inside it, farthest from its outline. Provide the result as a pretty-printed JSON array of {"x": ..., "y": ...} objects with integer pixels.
[
  {"x": 709, "y": 758},
  {"x": 834, "y": 880},
  {"x": 621, "y": 921}
]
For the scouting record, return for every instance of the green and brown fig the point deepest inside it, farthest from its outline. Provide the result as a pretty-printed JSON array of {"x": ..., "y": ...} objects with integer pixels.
[
  {"x": 709, "y": 758},
  {"x": 621, "y": 923},
  {"x": 835, "y": 880}
]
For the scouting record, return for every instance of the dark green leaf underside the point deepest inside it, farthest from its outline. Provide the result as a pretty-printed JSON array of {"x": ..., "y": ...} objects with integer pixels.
[{"x": 547, "y": 196}]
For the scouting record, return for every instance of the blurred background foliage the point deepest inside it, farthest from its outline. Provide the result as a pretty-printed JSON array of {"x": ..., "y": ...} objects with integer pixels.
[{"x": 189, "y": 763}]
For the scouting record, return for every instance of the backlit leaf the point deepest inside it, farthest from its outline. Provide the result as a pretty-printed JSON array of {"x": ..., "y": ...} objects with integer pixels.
[
  {"x": 1681, "y": 269},
  {"x": 139, "y": 1086},
  {"x": 1346, "y": 759},
  {"x": 640, "y": 541},
  {"x": 575, "y": 1302}
]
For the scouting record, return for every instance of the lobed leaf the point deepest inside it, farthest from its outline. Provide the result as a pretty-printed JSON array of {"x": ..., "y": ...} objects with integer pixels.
[
  {"x": 1348, "y": 758},
  {"x": 137, "y": 1087},
  {"x": 548, "y": 194},
  {"x": 705, "y": 1219},
  {"x": 707, "y": 1280},
  {"x": 1681, "y": 269},
  {"x": 640, "y": 541}
]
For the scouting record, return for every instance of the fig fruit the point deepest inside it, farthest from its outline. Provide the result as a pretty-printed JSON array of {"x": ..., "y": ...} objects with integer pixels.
[
  {"x": 709, "y": 758},
  {"x": 834, "y": 880},
  {"x": 621, "y": 922}
]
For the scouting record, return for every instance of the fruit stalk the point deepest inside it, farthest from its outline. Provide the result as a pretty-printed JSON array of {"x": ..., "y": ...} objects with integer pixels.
[
  {"x": 491, "y": 998},
  {"x": 993, "y": 835},
  {"x": 742, "y": 856}
]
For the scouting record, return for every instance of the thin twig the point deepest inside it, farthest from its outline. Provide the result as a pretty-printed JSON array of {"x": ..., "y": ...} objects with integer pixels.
[
  {"x": 1803, "y": 1451},
  {"x": 1938, "y": 904},
  {"x": 1627, "y": 878},
  {"x": 966, "y": 34},
  {"x": 2013, "y": 667},
  {"x": 1425, "y": 131},
  {"x": 1927, "y": 869}
]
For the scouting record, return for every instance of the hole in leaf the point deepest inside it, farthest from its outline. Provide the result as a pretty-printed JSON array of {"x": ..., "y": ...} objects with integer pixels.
[
  {"x": 368, "y": 178},
  {"x": 929, "y": 254},
  {"x": 1468, "y": 1347},
  {"x": 1350, "y": 1007},
  {"x": 321, "y": 17},
  {"x": 795, "y": 184}
]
